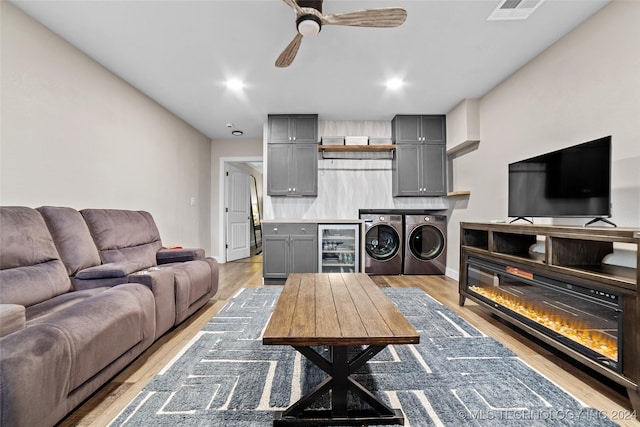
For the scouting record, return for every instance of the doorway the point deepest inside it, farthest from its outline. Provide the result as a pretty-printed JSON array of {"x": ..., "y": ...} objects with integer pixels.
[{"x": 242, "y": 208}]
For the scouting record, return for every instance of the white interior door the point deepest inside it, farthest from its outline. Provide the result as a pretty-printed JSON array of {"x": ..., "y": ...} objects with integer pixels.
[{"x": 237, "y": 212}]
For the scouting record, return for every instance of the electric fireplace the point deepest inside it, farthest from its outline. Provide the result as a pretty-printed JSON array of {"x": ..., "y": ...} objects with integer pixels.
[
  {"x": 558, "y": 284},
  {"x": 583, "y": 318}
]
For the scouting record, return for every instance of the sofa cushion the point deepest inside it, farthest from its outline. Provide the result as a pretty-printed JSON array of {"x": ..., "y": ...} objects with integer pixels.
[
  {"x": 103, "y": 327},
  {"x": 71, "y": 237},
  {"x": 12, "y": 318},
  {"x": 113, "y": 269},
  {"x": 30, "y": 268},
  {"x": 36, "y": 312},
  {"x": 55, "y": 363},
  {"x": 123, "y": 235}
]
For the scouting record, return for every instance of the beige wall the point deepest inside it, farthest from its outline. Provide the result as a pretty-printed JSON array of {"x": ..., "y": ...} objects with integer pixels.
[
  {"x": 585, "y": 86},
  {"x": 74, "y": 134}
]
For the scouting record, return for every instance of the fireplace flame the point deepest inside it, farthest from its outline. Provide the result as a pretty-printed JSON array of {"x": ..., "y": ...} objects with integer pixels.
[{"x": 576, "y": 330}]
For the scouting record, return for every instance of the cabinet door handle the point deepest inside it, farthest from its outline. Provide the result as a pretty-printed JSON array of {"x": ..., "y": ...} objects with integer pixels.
[{"x": 275, "y": 228}]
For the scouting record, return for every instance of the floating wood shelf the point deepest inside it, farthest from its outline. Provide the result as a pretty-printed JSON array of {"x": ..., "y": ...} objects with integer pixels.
[
  {"x": 356, "y": 148},
  {"x": 458, "y": 193}
]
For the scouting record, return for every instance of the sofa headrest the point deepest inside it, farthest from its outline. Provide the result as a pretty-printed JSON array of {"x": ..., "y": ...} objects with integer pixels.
[
  {"x": 30, "y": 267},
  {"x": 123, "y": 235},
  {"x": 117, "y": 228},
  {"x": 71, "y": 237},
  {"x": 24, "y": 238}
]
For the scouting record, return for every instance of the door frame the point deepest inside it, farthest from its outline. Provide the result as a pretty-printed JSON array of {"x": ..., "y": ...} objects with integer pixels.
[{"x": 222, "y": 224}]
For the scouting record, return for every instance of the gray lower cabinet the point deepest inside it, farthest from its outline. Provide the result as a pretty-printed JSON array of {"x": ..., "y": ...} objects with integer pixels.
[
  {"x": 289, "y": 248},
  {"x": 292, "y": 169}
]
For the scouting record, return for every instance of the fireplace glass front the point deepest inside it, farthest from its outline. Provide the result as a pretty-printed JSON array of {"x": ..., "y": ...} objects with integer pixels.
[{"x": 583, "y": 318}]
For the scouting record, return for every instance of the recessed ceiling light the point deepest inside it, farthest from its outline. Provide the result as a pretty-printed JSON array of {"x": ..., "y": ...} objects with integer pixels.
[
  {"x": 235, "y": 84},
  {"x": 237, "y": 133},
  {"x": 394, "y": 83}
]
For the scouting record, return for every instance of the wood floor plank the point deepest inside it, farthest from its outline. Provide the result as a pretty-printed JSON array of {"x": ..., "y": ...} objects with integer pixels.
[{"x": 581, "y": 382}]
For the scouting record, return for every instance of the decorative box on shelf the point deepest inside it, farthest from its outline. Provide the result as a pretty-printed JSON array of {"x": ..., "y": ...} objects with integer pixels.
[
  {"x": 380, "y": 141},
  {"x": 332, "y": 140},
  {"x": 356, "y": 140}
]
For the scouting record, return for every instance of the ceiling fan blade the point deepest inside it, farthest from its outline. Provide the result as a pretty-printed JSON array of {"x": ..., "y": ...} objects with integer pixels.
[
  {"x": 382, "y": 17},
  {"x": 289, "y": 53},
  {"x": 294, "y": 6}
]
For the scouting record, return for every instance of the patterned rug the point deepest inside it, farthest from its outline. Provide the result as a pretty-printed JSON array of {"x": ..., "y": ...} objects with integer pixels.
[{"x": 456, "y": 376}]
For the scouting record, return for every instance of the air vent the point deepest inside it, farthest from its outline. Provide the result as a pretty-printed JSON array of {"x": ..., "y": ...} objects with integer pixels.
[{"x": 514, "y": 10}]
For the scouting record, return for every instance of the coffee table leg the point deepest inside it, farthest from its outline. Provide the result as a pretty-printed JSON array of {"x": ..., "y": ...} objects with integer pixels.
[
  {"x": 339, "y": 368},
  {"x": 340, "y": 382}
]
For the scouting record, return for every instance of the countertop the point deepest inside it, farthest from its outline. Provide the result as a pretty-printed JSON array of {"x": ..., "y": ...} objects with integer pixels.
[{"x": 312, "y": 221}]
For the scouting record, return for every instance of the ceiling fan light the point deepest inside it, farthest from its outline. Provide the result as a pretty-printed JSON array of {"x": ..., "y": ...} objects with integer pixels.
[{"x": 308, "y": 27}]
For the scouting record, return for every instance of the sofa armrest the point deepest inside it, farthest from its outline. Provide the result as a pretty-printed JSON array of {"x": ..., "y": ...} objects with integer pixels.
[
  {"x": 12, "y": 318},
  {"x": 110, "y": 270},
  {"x": 166, "y": 256},
  {"x": 161, "y": 283}
]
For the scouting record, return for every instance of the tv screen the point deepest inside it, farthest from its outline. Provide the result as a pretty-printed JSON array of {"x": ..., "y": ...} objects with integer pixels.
[{"x": 571, "y": 182}]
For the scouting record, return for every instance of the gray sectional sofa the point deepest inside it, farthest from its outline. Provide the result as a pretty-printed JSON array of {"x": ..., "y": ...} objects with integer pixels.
[{"x": 82, "y": 294}]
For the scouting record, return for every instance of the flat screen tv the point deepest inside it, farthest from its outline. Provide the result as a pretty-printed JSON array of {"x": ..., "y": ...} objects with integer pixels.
[{"x": 570, "y": 182}]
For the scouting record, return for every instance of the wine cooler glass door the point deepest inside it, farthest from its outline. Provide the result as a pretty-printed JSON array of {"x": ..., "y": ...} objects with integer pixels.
[{"x": 338, "y": 249}]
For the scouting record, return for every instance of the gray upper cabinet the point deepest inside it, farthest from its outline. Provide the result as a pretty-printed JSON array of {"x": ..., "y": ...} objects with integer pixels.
[
  {"x": 416, "y": 129},
  {"x": 292, "y": 155},
  {"x": 293, "y": 128},
  {"x": 292, "y": 170},
  {"x": 418, "y": 167}
]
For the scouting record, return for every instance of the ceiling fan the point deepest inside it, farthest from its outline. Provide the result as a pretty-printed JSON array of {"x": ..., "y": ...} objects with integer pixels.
[{"x": 309, "y": 21}]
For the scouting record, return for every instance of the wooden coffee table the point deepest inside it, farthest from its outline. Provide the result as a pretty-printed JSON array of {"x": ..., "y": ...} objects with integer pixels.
[{"x": 337, "y": 311}]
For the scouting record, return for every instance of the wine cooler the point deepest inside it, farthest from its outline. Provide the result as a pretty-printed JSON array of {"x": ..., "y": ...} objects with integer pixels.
[{"x": 338, "y": 248}]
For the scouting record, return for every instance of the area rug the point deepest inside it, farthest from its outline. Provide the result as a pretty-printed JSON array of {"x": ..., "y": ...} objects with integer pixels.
[{"x": 456, "y": 376}]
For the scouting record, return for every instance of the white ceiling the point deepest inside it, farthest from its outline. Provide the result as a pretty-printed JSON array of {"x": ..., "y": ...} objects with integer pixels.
[{"x": 181, "y": 52}]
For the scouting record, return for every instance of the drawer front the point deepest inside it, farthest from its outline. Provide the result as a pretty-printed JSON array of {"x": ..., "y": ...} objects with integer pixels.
[{"x": 287, "y": 228}]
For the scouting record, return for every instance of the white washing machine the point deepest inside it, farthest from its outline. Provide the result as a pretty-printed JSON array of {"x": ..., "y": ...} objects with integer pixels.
[
  {"x": 383, "y": 243},
  {"x": 425, "y": 248}
]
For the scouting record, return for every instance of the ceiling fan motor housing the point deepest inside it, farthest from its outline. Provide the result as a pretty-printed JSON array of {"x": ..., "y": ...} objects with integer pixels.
[{"x": 308, "y": 25}]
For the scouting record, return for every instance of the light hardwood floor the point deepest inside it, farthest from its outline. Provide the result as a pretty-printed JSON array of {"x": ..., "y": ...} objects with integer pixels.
[{"x": 582, "y": 383}]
